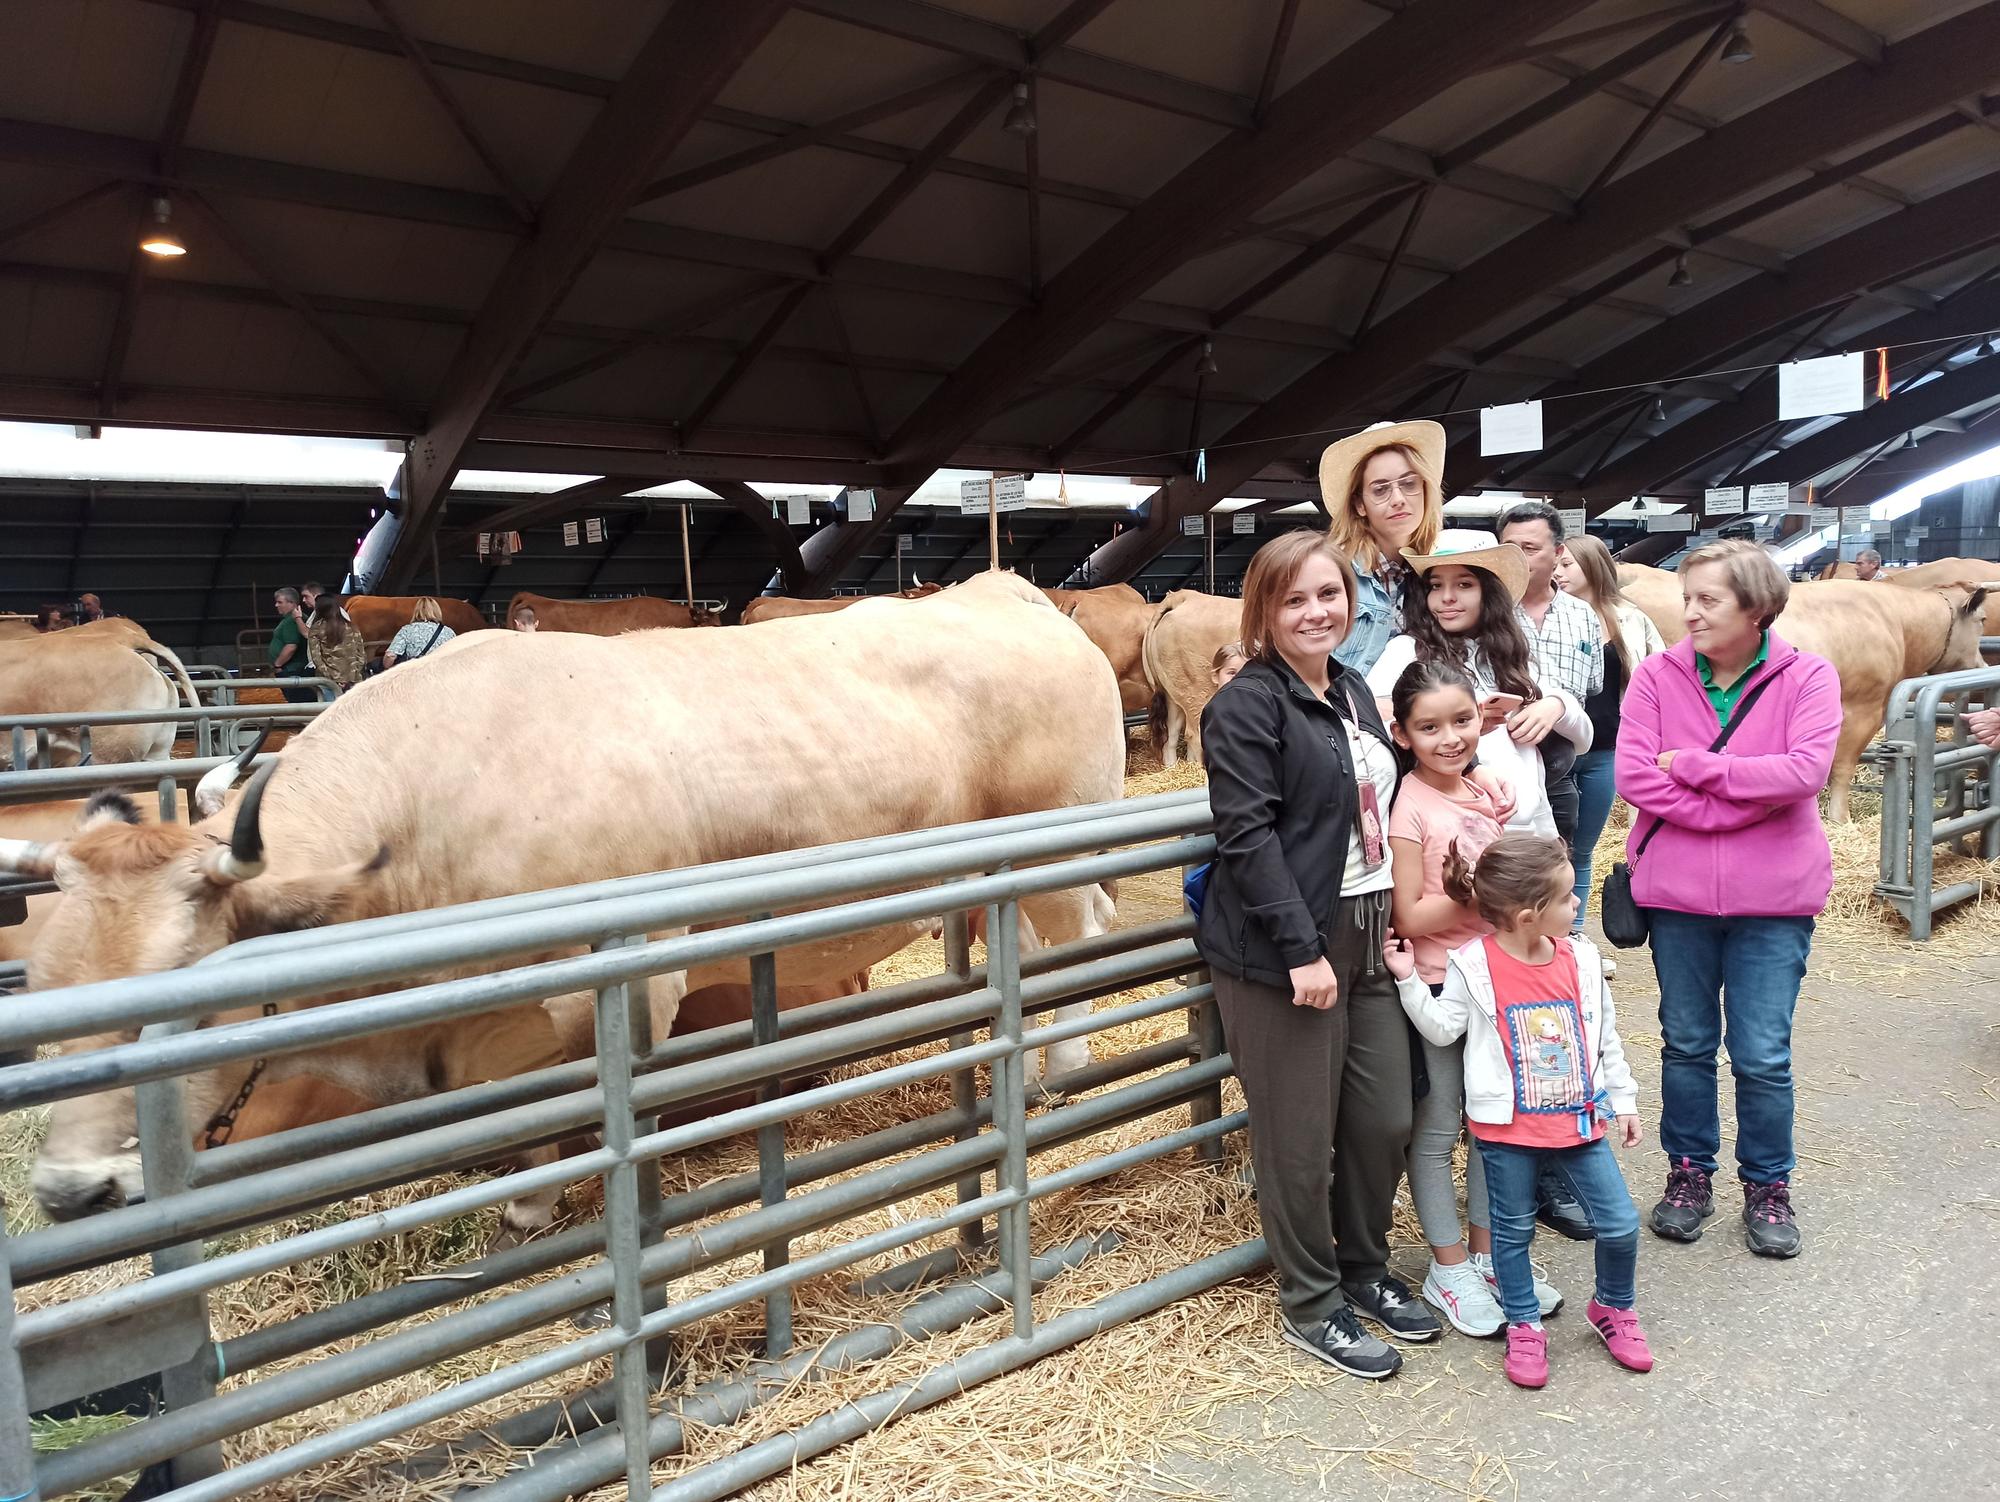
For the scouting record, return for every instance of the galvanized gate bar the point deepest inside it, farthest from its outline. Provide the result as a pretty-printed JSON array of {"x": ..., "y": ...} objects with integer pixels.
[{"x": 1926, "y": 790}]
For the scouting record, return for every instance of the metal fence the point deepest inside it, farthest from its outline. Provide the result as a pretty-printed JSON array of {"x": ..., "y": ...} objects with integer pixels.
[
  {"x": 1934, "y": 791},
  {"x": 219, "y": 729},
  {"x": 991, "y": 1014}
]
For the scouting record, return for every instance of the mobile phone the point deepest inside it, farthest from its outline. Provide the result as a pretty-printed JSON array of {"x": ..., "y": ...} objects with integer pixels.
[{"x": 1507, "y": 703}]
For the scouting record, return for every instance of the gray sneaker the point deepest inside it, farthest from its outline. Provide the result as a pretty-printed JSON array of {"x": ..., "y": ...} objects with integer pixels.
[
  {"x": 1389, "y": 1303},
  {"x": 1341, "y": 1343}
]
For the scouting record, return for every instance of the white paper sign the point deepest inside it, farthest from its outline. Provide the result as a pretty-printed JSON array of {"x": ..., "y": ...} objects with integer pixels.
[
  {"x": 860, "y": 505},
  {"x": 1191, "y": 526},
  {"x": 798, "y": 510},
  {"x": 1769, "y": 498},
  {"x": 1883, "y": 528},
  {"x": 1244, "y": 524},
  {"x": 1010, "y": 493},
  {"x": 906, "y": 543},
  {"x": 485, "y": 542},
  {"x": 1920, "y": 533},
  {"x": 1669, "y": 521},
  {"x": 1510, "y": 430},
  {"x": 569, "y": 534},
  {"x": 593, "y": 529},
  {"x": 1574, "y": 519},
  {"x": 1723, "y": 500},
  {"x": 1816, "y": 388}
]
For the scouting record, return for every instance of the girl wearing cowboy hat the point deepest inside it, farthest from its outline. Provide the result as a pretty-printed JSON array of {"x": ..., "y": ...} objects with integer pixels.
[
  {"x": 1382, "y": 491},
  {"x": 1460, "y": 609}
]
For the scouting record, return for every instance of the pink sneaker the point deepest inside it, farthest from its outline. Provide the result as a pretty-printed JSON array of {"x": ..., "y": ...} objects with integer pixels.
[
  {"x": 1622, "y": 1336},
  {"x": 1527, "y": 1363}
]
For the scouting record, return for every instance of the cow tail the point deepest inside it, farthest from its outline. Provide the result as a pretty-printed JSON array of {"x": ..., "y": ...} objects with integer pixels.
[
  {"x": 1156, "y": 712},
  {"x": 1156, "y": 720},
  {"x": 166, "y": 658}
]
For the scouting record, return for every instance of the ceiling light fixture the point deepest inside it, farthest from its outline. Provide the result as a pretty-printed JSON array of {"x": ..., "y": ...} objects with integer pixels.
[
  {"x": 1738, "y": 49},
  {"x": 1020, "y": 119},
  {"x": 160, "y": 240},
  {"x": 1681, "y": 277},
  {"x": 1206, "y": 366}
]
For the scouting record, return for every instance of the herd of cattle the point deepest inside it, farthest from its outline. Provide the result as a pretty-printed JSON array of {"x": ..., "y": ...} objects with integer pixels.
[{"x": 816, "y": 722}]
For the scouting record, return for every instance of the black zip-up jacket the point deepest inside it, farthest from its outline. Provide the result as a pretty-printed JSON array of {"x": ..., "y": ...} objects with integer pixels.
[{"x": 1281, "y": 784}]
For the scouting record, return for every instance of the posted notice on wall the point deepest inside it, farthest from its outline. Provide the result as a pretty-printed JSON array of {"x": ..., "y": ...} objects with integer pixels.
[
  {"x": 569, "y": 534},
  {"x": 1192, "y": 526},
  {"x": 798, "y": 510},
  {"x": 1766, "y": 499},
  {"x": 593, "y": 529},
  {"x": 1818, "y": 388},
  {"x": 1723, "y": 500},
  {"x": 1574, "y": 519},
  {"x": 1004, "y": 492},
  {"x": 860, "y": 505},
  {"x": 1244, "y": 524},
  {"x": 1669, "y": 521},
  {"x": 1510, "y": 430}
]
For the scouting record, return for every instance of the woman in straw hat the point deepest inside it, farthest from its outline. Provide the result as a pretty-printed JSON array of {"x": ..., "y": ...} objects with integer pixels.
[
  {"x": 1301, "y": 776},
  {"x": 1384, "y": 493}
]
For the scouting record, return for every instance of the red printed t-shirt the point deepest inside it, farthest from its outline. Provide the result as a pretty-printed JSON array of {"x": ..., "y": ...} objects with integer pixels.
[
  {"x": 1541, "y": 1027},
  {"x": 1435, "y": 821}
]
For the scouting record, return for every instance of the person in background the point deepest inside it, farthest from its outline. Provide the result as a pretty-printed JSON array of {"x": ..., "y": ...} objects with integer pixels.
[
  {"x": 425, "y": 633},
  {"x": 289, "y": 655},
  {"x": 336, "y": 648},
  {"x": 1565, "y": 639},
  {"x": 51, "y": 618},
  {"x": 89, "y": 608},
  {"x": 1867, "y": 564},
  {"x": 524, "y": 618},
  {"x": 1225, "y": 665},
  {"x": 1381, "y": 488},
  {"x": 1543, "y": 1067},
  {"x": 1301, "y": 777},
  {"x": 1585, "y": 572},
  {"x": 1734, "y": 868}
]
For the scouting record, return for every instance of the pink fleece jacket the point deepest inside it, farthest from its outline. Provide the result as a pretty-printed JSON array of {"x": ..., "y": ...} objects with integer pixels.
[{"x": 1742, "y": 835}]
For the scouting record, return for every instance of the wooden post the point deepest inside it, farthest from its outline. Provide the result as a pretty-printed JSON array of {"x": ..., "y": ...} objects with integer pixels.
[
  {"x": 992, "y": 523},
  {"x": 687, "y": 559}
]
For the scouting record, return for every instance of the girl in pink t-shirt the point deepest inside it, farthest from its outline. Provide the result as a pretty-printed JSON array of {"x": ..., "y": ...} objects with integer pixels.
[{"x": 1439, "y": 826}]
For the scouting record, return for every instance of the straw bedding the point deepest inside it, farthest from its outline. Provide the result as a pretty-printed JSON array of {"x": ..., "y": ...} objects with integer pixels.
[{"x": 1107, "y": 1418}]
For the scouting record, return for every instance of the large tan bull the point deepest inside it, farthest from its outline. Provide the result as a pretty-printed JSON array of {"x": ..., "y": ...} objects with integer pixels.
[
  {"x": 91, "y": 669},
  {"x": 431, "y": 786},
  {"x": 1973, "y": 573},
  {"x": 1873, "y": 635},
  {"x": 1115, "y": 618},
  {"x": 1180, "y": 649},
  {"x": 780, "y": 607},
  {"x": 609, "y": 617}
]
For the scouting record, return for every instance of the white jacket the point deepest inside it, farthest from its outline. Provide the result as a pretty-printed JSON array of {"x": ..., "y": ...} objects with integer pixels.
[
  {"x": 1467, "y": 1009},
  {"x": 1520, "y": 766}
]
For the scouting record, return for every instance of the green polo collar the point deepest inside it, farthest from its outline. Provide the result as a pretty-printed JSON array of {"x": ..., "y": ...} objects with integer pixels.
[{"x": 1724, "y": 699}]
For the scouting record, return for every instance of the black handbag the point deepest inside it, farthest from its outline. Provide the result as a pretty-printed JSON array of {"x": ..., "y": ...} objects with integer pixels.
[{"x": 1625, "y": 922}]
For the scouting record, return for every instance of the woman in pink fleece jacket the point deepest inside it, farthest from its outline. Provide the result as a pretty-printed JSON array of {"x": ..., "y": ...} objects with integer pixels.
[{"x": 1734, "y": 878}]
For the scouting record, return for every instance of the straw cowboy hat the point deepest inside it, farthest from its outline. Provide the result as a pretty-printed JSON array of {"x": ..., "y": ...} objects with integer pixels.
[
  {"x": 1338, "y": 463},
  {"x": 1474, "y": 549}
]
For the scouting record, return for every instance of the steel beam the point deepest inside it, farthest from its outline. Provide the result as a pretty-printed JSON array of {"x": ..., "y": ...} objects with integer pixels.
[
  {"x": 1931, "y": 70},
  {"x": 1877, "y": 480},
  {"x": 1825, "y": 24},
  {"x": 784, "y": 543},
  {"x": 692, "y": 53}
]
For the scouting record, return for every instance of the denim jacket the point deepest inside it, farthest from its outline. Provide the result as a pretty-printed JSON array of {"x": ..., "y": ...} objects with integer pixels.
[{"x": 1378, "y": 616}]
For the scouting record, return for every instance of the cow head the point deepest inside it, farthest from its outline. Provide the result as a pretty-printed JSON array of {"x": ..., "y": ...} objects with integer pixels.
[
  {"x": 1968, "y": 623},
  {"x": 139, "y": 899}
]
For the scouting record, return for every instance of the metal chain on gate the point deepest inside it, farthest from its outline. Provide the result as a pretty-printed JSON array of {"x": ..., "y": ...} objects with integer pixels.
[{"x": 223, "y": 1122}]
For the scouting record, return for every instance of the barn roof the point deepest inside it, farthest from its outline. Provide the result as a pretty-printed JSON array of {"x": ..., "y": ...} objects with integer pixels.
[{"x": 671, "y": 239}]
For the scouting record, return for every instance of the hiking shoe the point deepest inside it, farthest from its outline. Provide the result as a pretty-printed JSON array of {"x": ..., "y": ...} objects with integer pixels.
[
  {"x": 1547, "y": 1298},
  {"x": 1527, "y": 1363},
  {"x": 1769, "y": 1226},
  {"x": 1388, "y": 1303},
  {"x": 1689, "y": 1200},
  {"x": 1340, "y": 1342},
  {"x": 1558, "y": 1209},
  {"x": 1619, "y": 1329},
  {"x": 1461, "y": 1296}
]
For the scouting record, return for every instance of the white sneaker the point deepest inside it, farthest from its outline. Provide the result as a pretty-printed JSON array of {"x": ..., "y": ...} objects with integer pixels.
[
  {"x": 1546, "y": 1295},
  {"x": 1461, "y": 1296},
  {"x": 1610, "y": 967}
]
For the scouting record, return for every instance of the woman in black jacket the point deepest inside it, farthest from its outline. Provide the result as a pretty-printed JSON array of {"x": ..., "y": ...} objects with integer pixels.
[{"x": 1301, "y": 774}]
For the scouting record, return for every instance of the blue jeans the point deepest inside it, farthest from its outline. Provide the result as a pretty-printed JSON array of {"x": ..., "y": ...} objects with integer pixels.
[
  {"x": 1734, "y": 980},
  {"x": 1597, "y": 789},
  {"x": 1593, "y": 1177}
]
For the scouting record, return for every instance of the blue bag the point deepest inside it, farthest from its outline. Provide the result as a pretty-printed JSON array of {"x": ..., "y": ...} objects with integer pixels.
[{"x": 1194, "y": 886}]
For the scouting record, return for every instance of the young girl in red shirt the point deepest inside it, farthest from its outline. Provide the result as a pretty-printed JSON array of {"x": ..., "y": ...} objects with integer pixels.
[{"x": 1544, "y": 1067}]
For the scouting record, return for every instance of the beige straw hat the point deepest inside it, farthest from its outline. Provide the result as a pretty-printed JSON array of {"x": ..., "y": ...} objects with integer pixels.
[
  {"x": 1473, "y": 549},
  {"x": 1337, "y": 464}
]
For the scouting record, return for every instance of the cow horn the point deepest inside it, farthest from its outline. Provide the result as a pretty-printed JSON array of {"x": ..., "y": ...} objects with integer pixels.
[
  {"x": 28, "y": 857},
  {"x": 215, "y": 784},
  {"x": 244, "y": 859}
]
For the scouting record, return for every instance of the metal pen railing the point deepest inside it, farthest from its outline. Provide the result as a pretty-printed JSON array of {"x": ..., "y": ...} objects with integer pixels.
[
  {"x": 983, "y": 1143},
  {"x": 1934, "y": 792},
  {"x": 218, "y": 728}
]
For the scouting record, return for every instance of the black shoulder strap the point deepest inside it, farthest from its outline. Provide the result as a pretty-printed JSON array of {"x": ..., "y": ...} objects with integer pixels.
[
  {"x": 1735, "y": 719},
  {"x": 438, "y": 630}
]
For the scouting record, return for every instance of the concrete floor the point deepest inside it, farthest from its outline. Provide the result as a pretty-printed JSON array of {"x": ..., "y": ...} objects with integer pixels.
[{"x": 1862, "y": 1369}]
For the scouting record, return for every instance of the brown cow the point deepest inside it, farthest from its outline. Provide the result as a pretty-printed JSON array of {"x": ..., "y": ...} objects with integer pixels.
[
  {"x": 979, "y": 703},
  {"x": 610, "y": 617},
  {"x": 89, "y": 668},
  {"x": 1874, "y": 637},
  {"x": 1115, "y": 618},
  {"x": 1181, "y": 642},
  {"x": 380, "y": 617},
  {"x": 781, "y": 607}
]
